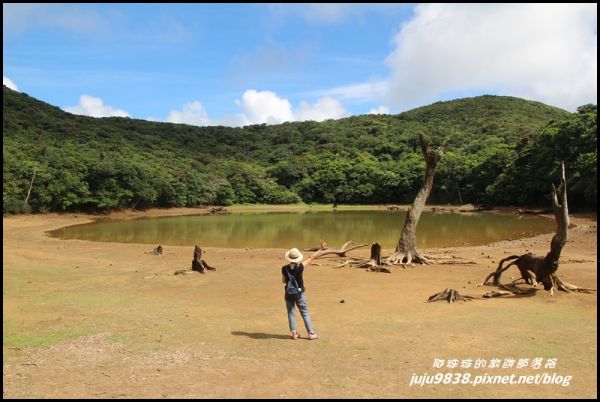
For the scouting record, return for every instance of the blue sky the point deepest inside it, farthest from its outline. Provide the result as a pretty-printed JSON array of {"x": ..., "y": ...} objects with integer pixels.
[{"x": 239, "y": 64}]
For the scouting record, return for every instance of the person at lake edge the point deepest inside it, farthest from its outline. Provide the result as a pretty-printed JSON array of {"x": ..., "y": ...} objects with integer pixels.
[{"x": 295, "y": 269}]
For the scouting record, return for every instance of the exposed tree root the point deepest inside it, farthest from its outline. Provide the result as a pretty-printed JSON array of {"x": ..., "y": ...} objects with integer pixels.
[
  {"x": 514, "y": 289},
  {"x": 510, "y": 290},
  {"x": 450, "y": 295},
  {"x": 409, "y": 259},
  {"x": 498, "y": 293},
  {"x": 569, "y": 288}
]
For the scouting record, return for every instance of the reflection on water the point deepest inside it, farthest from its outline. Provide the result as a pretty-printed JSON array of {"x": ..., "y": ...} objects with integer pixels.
[{"x": 304, "y": 229}]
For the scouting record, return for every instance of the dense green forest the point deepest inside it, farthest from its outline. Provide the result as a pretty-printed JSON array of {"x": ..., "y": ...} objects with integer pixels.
[{"x": 498, "y": 151}]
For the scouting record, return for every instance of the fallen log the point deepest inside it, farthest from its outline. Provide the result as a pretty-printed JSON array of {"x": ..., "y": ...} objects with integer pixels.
[{"x": 322, "y": 250}]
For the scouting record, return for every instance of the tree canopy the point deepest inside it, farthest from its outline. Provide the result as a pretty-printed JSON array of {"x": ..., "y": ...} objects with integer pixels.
[{"x": 499, "y": 150}]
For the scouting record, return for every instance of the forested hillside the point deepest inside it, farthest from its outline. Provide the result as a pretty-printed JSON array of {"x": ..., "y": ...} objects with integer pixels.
[{"x": 499, "y": 150}]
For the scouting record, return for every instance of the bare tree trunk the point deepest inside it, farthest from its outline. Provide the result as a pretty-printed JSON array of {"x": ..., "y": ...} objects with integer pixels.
[
  {"x": 546, "y": 274},
  {"x": 561, "y": 214},
  {"x": 30, "y": 186},
  {"x": 406, "y": 249}
]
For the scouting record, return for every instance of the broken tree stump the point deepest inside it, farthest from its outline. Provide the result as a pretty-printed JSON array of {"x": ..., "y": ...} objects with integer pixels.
[
  {"x": 374, "y": 262},
  {"x": 198, "y": 264},
  {"x": 450, "y": 295}
]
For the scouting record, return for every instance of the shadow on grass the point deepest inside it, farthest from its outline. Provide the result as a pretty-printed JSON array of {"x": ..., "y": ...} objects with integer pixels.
[{"x": 259, "y": 335}]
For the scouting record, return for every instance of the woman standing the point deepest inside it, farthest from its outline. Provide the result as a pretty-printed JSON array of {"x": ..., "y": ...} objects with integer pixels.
[{"x": 292, "y": 277}]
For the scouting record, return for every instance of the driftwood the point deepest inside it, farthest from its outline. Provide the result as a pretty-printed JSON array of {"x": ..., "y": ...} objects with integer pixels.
[
  {"x": 373, "y": 263},
  {"x": 535, "y": 269},
  {"x": 323, "y": 250},
  {"x": 522, "y": 211},
  {"x": 158, "y": 250},
  {"x": 498, "y": 293},
  {"x": 218, "y": 211}
]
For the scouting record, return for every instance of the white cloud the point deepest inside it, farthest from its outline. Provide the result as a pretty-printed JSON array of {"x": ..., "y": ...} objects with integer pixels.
[
  {"x": 380, "y": 110},
  {"x": 95, "y": 107},
  {"x": 258, "y": 107},
  {"x": 9, "y": 83},
  {"x": 268, "y": 107},
  {"x": 362, "y": 92},
  {"x": 192, "y": 113},
  {"x": 545, "y": 52},
  {"x": 325, "y": 108},
  {"x": 264, "y": 107}
]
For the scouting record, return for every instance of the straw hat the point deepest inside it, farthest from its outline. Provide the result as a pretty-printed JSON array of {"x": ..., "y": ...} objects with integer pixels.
[{"x": 294, "y": 255}]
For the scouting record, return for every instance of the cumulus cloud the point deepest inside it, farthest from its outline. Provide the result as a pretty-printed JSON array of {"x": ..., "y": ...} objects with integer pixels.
[
  {"x": 545, "y": 52},
  {"x": 94, "y": 107},
  {"x": 9, "y": 83},
  {"x": 325, "y": 108},
  {"x": 192, "y": 113},
  {"x": 258, "y": 107},
  {"x": 267, "y": 107},
  {"x": 380, "y": 110},
  {"x": 264, "y": 107}
]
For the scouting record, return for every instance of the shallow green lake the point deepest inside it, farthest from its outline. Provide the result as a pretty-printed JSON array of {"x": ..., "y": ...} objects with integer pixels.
[{"x": 304, "y": 229}]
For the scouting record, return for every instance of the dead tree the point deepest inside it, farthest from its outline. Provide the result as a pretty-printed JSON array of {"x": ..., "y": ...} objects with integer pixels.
[
  {"x": 528, "y": 264},
  {"x": 374, "y": 263},
  {"x": 198, "y": 264},
  {"x": 535, "y": 269},
  {"x": 30, "y": 186},
  {"x": 323, "y": 250},
  {"x": 406, "y": 249}
]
